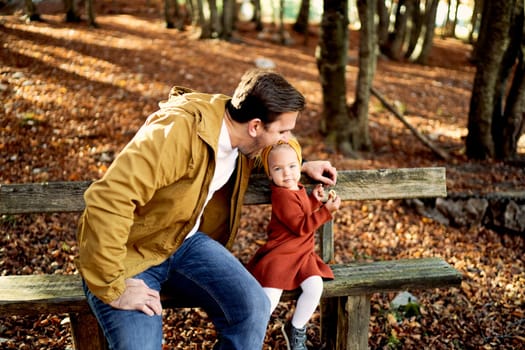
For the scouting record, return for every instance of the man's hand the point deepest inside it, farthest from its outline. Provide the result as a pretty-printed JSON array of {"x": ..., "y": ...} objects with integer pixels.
[
  {"x": 138, "y": 296},
  {"x": 321, "y": 170}
]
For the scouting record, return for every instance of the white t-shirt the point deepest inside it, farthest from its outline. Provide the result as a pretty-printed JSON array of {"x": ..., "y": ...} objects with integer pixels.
[{"x": 224, "y": 167}]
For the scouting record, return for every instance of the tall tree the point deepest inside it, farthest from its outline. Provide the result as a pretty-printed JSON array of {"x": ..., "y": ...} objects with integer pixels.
[
  {"x": 382, "y": 26},
  {"x": 426, "y": 31},
  {"x": 492, "y": 44},
  {"x": 331, "y": 62},
  {"x": 303, "y": 17},
  {"x": 69, "y": 8},
  {"x": 475, "y": 19},
  {"x": 31, "y": 11},
  {"x": 508, "y": 114},
  {"x": 413, "y": 32},
  {"x": 359, "y": 136},
  {"x": 228, "y": 19},
  {"x": 393, "y": 47}
]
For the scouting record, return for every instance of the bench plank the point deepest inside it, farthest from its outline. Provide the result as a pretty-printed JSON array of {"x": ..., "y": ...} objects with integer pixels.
[
  {"x": 390, "y": 275},
  {"x": 37, "y": 294},
  {"x": 67, "y": 196},
  {"x": 41, "y": 294}
]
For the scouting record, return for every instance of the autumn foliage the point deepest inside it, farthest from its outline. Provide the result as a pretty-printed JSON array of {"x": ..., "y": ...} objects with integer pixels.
[{"x": 73, "y": 96}]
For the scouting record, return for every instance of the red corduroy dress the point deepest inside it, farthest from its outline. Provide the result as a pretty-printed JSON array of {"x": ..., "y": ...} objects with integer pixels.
[{"x": 288, "y": 257}]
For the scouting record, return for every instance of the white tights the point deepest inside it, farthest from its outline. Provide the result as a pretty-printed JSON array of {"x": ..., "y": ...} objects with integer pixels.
[{"x": 306, "y": 303}]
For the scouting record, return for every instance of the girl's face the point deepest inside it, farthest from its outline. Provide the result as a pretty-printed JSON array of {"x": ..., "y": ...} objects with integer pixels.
[{"x": 284, "y": 167}]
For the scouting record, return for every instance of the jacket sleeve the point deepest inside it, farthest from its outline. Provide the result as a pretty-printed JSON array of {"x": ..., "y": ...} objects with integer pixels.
[{"x": 152, "y": 158}]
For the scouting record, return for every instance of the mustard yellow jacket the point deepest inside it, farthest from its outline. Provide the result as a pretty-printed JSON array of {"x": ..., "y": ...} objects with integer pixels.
[{"x": 141, "y": 210}]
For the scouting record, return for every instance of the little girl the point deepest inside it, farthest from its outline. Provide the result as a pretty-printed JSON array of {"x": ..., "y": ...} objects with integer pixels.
[{"x": 288, "y": 260}]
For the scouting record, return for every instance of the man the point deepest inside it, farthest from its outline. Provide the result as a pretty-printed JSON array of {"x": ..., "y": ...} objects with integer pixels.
[{"x": 168, "y": 207}]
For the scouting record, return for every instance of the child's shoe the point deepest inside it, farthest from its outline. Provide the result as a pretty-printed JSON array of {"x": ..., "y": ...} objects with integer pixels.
[{"x": 295, "y": 338}]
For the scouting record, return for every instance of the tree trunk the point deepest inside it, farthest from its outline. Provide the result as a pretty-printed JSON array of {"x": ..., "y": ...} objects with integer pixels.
[
  {"x": 31, "y": 12},
  {"x": 428, "y": 30},
  {"x": 169, "y": 14},
  {"x": 71, "y": 13},
  {"x": 509, "y": 126},
  {"x": 484, "y": 23},
  {"x": 415, "y": 25},
  {"x": 90, "y": 13},
  {"x": 455, "y": 20},
  {"x": 396, "y": 39},
  {"x": 301, "y": 23},
  {"x": 282, "y": 34},
  {"x": 257, "y": 15},
  {"x": 492, "y": 44},
  {"x": 214, "y": 25},
  {"x": 359, "y": 138},
  {"x": 331, "y": 62},
  {"x": 228, "y": 14},
  {"x": 382, "y": 27},
  {"x": 475, "y": 19}
]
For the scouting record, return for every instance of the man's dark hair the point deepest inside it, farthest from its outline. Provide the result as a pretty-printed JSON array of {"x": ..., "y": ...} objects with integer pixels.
[{"x": 265, "y": 95}]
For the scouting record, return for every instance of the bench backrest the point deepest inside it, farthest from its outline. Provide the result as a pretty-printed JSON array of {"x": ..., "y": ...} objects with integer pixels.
[
  {"x": 52, "y": 197},
  {"x": 67, "y": 196}
]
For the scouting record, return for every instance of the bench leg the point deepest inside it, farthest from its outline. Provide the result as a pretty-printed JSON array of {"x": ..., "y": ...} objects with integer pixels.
[
  {"x": 86, "y": 333},
  {"x": 358, "y": 310},
  {"x": 344, "y": 322}
]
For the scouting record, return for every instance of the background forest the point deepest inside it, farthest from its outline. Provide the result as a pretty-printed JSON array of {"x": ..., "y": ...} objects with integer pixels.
[{"x": 73, "y": 95}]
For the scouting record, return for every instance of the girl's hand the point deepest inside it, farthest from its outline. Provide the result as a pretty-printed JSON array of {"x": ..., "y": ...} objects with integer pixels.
[
  {"x": 333, "y": 203},
  {"x": 318, "y": 192}
]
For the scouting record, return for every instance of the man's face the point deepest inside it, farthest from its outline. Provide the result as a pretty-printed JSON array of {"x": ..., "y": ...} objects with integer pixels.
[{"x": 280, "y": 129}]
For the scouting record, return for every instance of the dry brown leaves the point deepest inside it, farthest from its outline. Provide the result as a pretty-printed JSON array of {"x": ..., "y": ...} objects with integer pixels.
[{"x": 73, "y": 96}]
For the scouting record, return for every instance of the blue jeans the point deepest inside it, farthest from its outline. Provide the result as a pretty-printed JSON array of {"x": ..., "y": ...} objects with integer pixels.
[{"x": 201, "y": 273}]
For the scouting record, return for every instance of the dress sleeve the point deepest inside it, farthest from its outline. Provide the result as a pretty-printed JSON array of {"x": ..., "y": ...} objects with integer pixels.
[{"x": 294, "y": 211}]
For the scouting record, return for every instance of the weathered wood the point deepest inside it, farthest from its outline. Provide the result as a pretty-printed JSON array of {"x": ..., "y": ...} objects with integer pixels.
[
  {"x": 327, "y": 242},
  {"x": 369, "y": 184},
  {"x": 41, "y": 294},
  {"x": 37, "y": 294},
  {"x": 328, "y": 309},
  {"x": 84, "y": 326},
  {"x": 45, "y": 197},
  {"x": 353, "y": 330},
  {"x": 64, "y": 196},
  {"x": 390, "y": 275}
]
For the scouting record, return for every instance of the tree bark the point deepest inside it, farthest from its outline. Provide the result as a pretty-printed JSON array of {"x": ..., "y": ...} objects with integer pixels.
[
  {"x": 414, "y": 26},
  {"x": 491, "y": 47},
  {"x": 429, "y": 26},
  {"x": 509, "y": 127},
  {"x": 359, "y": 137},
  {"x": 484, "y": 7},
  {"x": 475, "y": 19},
  {"x": 301, "y": 23},
  {"x": 31, "y": 12},
  {"x": 393, "y": 48},
  {"x": 257, "y": 15},
  {"x": 90, "y": 13},
  {"x": 382, "y": 27},
  {"x": 228, "y": 13},
  {"x": 71, "y": 14},
  {"x": 214, "y": 24},
  {"x": 331, "y": 62}
]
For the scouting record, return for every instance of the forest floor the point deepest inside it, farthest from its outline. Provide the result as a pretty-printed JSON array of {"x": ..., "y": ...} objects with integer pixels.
[{"x": 72, "y": 96}]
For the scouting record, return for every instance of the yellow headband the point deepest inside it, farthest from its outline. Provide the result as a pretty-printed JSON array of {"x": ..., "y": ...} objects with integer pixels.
[{"x": 293, "y": 143}]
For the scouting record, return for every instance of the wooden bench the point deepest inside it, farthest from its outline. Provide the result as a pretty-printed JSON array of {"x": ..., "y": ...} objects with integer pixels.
[{"x": 345, "y": 307}]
